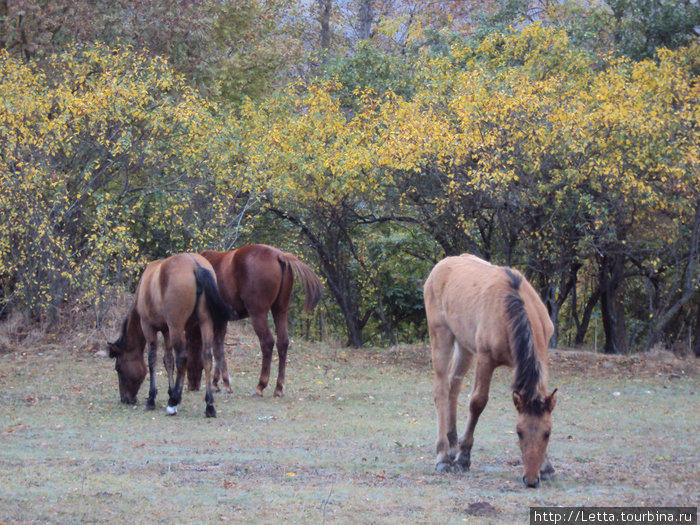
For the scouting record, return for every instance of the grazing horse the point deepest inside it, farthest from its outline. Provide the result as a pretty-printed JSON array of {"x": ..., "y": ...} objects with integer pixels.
[
  {"x": 476, "y": 309},
  {"x": 173, "y": 294},
  {"x": 254, "y": 280}
]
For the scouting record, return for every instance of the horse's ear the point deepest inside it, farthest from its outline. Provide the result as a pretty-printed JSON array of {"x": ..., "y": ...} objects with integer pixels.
[
  {"x": 114, "y": 350},
  {"x": 518, "y": 401},
  {"x": 551, "y": 401}
]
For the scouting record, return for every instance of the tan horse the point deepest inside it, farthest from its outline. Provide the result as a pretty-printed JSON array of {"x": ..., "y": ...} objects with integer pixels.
[
  {"x": 173, "y": 294},
  {"x": 476, "y": 309},
  {"x": 254, "y": 280}
]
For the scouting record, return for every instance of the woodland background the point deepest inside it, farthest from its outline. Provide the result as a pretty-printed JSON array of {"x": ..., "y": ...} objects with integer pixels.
[{"x": 371, "y": 138}]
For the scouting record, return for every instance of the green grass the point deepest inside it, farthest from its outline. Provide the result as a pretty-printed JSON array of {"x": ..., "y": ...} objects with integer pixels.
[{"x": 351, "y": 442}]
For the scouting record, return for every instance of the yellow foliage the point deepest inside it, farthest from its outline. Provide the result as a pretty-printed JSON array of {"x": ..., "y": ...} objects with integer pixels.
[{"x": 104, "y": 163}]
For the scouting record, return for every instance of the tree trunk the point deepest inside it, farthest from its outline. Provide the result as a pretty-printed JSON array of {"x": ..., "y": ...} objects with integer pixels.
[
  {"x": 665, "y": 313},
  {"x": 611, "y": 308},
  {"x": 324, "y": 18},
  {"x": 696, "y": 341},
  {"x": 554, "y": 301},
  {"x": 339, "y": 282},
  {"x": 365, "y": 18},
  {"x": 582, "y": 326}
]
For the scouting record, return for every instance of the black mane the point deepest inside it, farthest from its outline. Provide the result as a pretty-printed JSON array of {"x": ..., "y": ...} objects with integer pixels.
[
  {"x": 527, "y": 370},
  {"x": 121, "y": 342}
]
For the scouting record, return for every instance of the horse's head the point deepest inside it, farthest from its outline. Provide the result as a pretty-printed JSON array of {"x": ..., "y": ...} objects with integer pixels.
[
  {"x": 534, "y": 426},
  {"x": 131, "y": 370}
]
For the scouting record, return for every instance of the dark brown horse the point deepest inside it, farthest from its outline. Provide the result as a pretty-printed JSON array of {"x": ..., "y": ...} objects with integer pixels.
[
  {"x": 476, "y": 309},
  {"x": 174, "y": 294},
  {"x": 254, "y": 280}
]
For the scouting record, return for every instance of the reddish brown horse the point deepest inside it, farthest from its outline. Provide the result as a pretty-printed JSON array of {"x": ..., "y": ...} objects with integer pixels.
[
  {"x": 493, "y": 313},
  {"x": 254, "y": 280},
  {"x": 173, "y": 294}
]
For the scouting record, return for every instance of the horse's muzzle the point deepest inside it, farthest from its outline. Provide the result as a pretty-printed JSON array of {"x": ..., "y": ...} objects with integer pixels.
[{"x": 532, "y": 485}]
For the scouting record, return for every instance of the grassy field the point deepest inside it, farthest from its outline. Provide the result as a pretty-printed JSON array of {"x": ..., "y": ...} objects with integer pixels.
[{"x": 351, "y": 442}]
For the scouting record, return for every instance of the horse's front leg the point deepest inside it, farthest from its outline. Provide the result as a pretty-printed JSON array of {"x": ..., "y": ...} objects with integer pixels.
[
  {"x": 207, "y": 344},
  {"x": 546, "y": 470},
  {"x": 442, "y": 343},
  {"x": 221, "y": 367},
  {"x": 152, "y": 391},
  {"x": 194, "y": 359},
  {"x": 459, "y": 366},
  {"x": 479, "y": 398}
]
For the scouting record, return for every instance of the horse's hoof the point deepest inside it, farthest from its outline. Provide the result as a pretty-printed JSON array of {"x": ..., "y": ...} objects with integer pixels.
[
  {"x": 228, "y": 389},
  {"x": 462, "y": 464},
  {"x": 279, "y": 393},
  {"x": 255, "y": 393},
  {"x": 150, "y": 406},
  {"x": 210, "y": 411},
  {"x": 443, "y": 466},
  {"x": 171, "y": 411},
  {"x": 547, "y": 474},
  {"x": 460, "y": 468}
]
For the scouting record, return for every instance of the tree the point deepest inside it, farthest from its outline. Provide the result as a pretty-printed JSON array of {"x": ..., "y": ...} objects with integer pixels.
[
  {"x": 543, "y": 162},
  {"x": 107, "y": 159},
  {"x": 227, "y": 50},
  {"x": 315, "y": 169}
]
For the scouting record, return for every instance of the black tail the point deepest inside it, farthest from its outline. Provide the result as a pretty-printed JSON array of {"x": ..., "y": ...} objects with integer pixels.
[
  {"x": 527, "y": 371},
  {"x": 221, "y": 313}
]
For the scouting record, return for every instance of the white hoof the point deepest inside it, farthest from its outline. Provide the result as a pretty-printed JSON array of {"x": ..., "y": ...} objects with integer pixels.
[{"x": 171, "y": 411}]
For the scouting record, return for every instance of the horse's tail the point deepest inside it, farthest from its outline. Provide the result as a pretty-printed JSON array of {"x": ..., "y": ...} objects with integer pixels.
[
  {"x": 221, "y": 313},
  {"x": 528, "y": 371},
  {"x": 312, "y": 284}
]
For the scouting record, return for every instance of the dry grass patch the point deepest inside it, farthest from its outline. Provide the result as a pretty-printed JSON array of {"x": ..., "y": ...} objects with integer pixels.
[{"x": 351, "y": 442}]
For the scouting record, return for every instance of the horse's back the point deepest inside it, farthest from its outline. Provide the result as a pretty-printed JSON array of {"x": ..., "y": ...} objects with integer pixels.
[{"x": 467, "y": 295}]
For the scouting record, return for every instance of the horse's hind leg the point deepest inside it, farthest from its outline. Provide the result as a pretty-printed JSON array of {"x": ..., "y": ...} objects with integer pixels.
[
  {"x": 267, "y": 342},
  {"x": 280, "y": 318},
  {"x": 442, "y": 343},
  {"x": 479, "y": 398},
  {"x": 168, "y": 362},
  {"x": 178, "y": 347}
]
